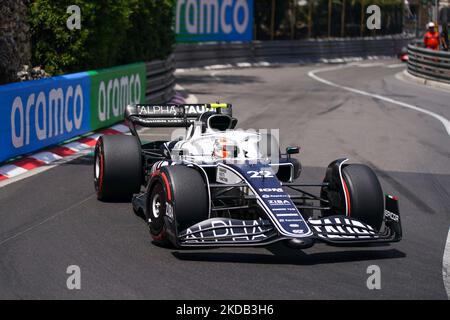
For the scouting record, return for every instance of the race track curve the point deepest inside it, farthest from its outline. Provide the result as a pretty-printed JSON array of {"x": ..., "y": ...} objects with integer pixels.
[{"x": 52, "y": 219}]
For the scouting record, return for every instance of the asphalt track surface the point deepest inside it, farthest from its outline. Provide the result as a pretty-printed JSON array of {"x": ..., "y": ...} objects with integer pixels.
[{"x": 52, "y": 220}]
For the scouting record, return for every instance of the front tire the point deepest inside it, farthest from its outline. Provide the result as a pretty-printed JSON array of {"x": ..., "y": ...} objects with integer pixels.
[
  {"x": 156, "y": 207},
  {"x": 366, "y": 196},
  {"x": 177, "y": 194}
]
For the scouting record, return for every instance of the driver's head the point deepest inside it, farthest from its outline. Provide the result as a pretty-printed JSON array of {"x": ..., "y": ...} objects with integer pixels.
[{"x": 431, "y": 26}]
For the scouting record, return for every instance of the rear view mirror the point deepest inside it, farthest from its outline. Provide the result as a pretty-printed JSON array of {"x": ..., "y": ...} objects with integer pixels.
[{"x": 292, "y": 150}]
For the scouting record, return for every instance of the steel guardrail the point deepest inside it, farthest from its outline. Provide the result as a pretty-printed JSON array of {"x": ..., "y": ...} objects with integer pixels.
[
  {"x": 201, "y": 54},
  {"x": 429, "y": 64},
  {"x": 160, "y": 80}
]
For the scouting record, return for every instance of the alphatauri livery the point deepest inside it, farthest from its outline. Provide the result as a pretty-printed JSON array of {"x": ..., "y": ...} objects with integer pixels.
[{"x": 216, "y": 185}]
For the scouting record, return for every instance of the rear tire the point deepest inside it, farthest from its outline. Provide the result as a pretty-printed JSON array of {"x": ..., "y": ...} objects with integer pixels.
[
  {"x": 366, "y": 195},
  {"x": 118, "y": 167}
]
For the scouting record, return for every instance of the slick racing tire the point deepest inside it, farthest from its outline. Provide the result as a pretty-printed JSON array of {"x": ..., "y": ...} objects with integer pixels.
[
  {"x": 366, "y": 201},
  {"x": 178, "y": 193},
  {"x": 118, "y": 167}
]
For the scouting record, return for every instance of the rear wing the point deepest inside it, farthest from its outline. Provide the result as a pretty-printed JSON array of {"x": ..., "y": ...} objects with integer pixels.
[{"x": 170, "y": 115}]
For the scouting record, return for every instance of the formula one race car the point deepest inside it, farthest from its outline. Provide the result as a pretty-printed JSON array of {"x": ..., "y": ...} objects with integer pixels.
[
  {"x": 403, "y": 55},
  {"x": 220, "y": 186}
]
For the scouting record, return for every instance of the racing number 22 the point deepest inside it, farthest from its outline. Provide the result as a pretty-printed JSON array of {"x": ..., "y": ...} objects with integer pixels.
[{"x": 260, "y": 174}]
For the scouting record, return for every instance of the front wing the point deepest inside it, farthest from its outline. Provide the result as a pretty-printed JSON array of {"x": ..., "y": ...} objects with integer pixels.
[{"x": 334, "y": 230}]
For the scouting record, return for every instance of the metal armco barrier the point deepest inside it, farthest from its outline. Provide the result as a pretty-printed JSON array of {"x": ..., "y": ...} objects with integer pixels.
[
  {"x": 201, "y": 54},
  {"x": 160, "y": 80},
  {"x": 429, "y": 64}
]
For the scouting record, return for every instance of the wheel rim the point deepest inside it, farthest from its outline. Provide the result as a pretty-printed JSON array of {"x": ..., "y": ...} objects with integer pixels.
[
  {"x": 97, "y": 167},
  {"x": 156, "y": 205}
]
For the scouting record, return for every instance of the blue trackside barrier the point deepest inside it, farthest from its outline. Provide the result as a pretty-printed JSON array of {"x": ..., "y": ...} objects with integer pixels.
[{"x": 37, "y": 114}]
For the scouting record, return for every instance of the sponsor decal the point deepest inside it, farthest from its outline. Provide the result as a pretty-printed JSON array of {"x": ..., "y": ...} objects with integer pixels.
[
  {"x": 174, "y": 110},
  {"x": 226, "y": 176},
  {"x": 285, "y": 209},
  {"x": 279, "y": 202},
  {"x": 221, "y": 175},
  {"x": 390, "y": 215},
  {"x": 342, "y": 229},
  {"x": 36, "y": 114},
  {"x": 266, "y": 196},
  {"x": 269, "y": 184},
  {"x": 271, "y": 190},
  {"x": 227, "y": 230},
  {"x": 169, "y": 211},
  {"x": 113, "y": 89},
  {"x": 260, "y": 174},
  {"x": 213, "y": 20},
  {"x": 157, "y": 110},
  {"x": 268, "y": 193},
  {"x": 196, "y": 109}
]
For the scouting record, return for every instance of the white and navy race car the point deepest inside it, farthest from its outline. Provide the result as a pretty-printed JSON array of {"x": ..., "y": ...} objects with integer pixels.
[{"x": 221, "y": 186}]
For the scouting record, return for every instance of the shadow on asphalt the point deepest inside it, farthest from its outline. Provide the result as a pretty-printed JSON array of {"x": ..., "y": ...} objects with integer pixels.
[{"x": 282, "y": 255}]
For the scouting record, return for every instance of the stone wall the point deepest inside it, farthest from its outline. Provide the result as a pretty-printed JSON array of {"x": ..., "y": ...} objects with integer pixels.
[{"x": 15, "y": 42}]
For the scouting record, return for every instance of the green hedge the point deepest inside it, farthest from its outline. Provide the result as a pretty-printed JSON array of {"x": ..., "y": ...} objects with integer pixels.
[{"x": 112, "y": 32}]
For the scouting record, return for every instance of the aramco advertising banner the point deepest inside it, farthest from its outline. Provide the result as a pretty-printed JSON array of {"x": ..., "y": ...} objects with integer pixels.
[
  {"x": 37, "y": 114},
  {"x": 112, "y": 90},
  {"x": 214, "y": 20}
]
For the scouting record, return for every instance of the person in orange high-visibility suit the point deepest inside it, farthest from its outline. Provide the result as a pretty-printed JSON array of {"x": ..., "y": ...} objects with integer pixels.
[{"x": 431, "y": 38}]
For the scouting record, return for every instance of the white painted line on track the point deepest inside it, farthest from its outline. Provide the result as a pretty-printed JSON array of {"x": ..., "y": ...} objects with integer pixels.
[
  {"x": 244, "y": 65},
  {"x": 190, "y": 99},
  {"x": 446, "y": 265},
  {"x": 312, "y": 74},
  {"x": 214, "y": 75},
  {"x": 219, "y": 67},
  {"x": 396, "y": 65},
  {"x": 370, "y": 65}
]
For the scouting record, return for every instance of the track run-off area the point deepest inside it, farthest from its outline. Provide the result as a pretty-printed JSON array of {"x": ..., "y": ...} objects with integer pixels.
[{"x": 51, "y": 220}]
